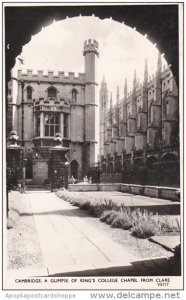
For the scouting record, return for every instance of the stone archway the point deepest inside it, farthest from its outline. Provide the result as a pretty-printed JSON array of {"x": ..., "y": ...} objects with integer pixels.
[
  {"x": 19, "y": 25},
  {"x": 137, "y": 174},
  {"x": 118, "y": 167},
  {"x": 169, "y": 157},
  {"x": 170, "y": 169},
  {"x": 110, "y": 168},
  {"x": 104, "y": 168},
  {"x": 153, "y": 173},
  {"x": 150, "y": 161}
]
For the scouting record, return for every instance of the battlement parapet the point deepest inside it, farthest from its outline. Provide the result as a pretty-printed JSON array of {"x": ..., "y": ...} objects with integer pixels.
[
  {"x": 59, "y": 77},
  {"x": 90, "y": 46}
]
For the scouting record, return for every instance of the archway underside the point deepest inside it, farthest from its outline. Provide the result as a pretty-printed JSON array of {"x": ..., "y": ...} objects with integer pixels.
[{"x": 159, "y": 22}]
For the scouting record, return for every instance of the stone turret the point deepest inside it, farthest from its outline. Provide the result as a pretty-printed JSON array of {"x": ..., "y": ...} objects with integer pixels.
[{"x": 91, "y": 102}]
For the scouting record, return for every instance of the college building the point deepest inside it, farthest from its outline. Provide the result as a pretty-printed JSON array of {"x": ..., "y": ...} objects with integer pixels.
[
  {"x": 139, "y": 135},
  {"x": 45, "y": 104}
]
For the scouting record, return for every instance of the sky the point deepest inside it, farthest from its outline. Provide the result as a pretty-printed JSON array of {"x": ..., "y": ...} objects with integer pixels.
[{"x": 59, "y": 47}]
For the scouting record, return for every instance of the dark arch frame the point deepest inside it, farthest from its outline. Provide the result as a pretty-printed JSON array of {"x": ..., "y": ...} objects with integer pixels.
[{"x": 19, "y": 25}]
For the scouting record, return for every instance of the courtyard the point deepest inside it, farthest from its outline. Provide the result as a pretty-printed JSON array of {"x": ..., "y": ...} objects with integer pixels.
[{"x": 50, "y": 237}]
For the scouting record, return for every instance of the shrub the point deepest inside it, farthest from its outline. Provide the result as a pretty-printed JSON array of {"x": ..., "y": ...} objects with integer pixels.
[
  {"x": 169, "y": 225},
  {"x": 96, "y": 210},
  {"x": 106, "y": 214},
  {"x": 111, "y": 217},
  {"x": 144, "y": 229},
  {"x": 145, "y": 224},
  {"x": 122, "y": 220},
  {"x": 74, "y": 202},
  {"x": 84, "y": 205}
]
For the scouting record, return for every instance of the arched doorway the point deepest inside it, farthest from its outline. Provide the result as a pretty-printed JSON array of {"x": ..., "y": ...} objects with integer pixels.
[
  {"x": 74, "y": 168},
  {"x": 110, "y": 168},
  {"x": 29, "y": 169},
  {"x": 126, "y": 174},
  {"x": 170, "y": 170},
  {"x": 118, "y": 167},
  {"x": 153, "y": 174},
  {"x": 138, "y": 176},
  {"x": 150, "y": 161},
  {"x": 104, "y": 168}
]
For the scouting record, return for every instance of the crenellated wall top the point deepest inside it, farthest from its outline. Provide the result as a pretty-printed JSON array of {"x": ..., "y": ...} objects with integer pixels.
[{"x": 59, "y": 77}]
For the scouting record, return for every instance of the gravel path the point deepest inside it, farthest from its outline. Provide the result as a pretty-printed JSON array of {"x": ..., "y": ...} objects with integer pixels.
[{"x": 22, "y": 240}]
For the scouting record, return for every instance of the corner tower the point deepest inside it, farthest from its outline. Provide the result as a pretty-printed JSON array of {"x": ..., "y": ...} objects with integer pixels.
[{"x": 91, "y": 103}]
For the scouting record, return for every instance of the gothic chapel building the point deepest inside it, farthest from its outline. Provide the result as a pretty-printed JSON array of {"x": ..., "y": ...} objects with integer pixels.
[
  {"x": 139, "y": 135},
  {"x": 41, "y": 105}
]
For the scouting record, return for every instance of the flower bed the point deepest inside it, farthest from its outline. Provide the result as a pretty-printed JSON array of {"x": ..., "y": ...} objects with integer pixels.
[{"x": 141, "y": 223}]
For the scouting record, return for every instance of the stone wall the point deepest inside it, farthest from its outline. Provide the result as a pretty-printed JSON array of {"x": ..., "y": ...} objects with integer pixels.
[{"x": 150, "y": 191}]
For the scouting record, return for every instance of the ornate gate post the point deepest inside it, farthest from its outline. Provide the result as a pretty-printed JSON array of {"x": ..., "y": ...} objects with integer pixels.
[
  {"x": 13, "y": 162},
  {"x": 59, "y": 165}
]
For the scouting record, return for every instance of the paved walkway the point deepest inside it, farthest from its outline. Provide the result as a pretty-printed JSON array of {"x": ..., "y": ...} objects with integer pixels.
[
  {"x": 71, "y": 246},
  {"x": 68, "y": 242}
]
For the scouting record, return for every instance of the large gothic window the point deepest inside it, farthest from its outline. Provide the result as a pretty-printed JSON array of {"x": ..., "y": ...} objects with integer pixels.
[
  {"x": 52, "y": 92},
  {"x": 51, "y": 124},
  {"x": 29, "y": 93}
]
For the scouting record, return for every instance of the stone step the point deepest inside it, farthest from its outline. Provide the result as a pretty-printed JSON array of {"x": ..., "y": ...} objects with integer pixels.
[{"x": 36, "y": 187}]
